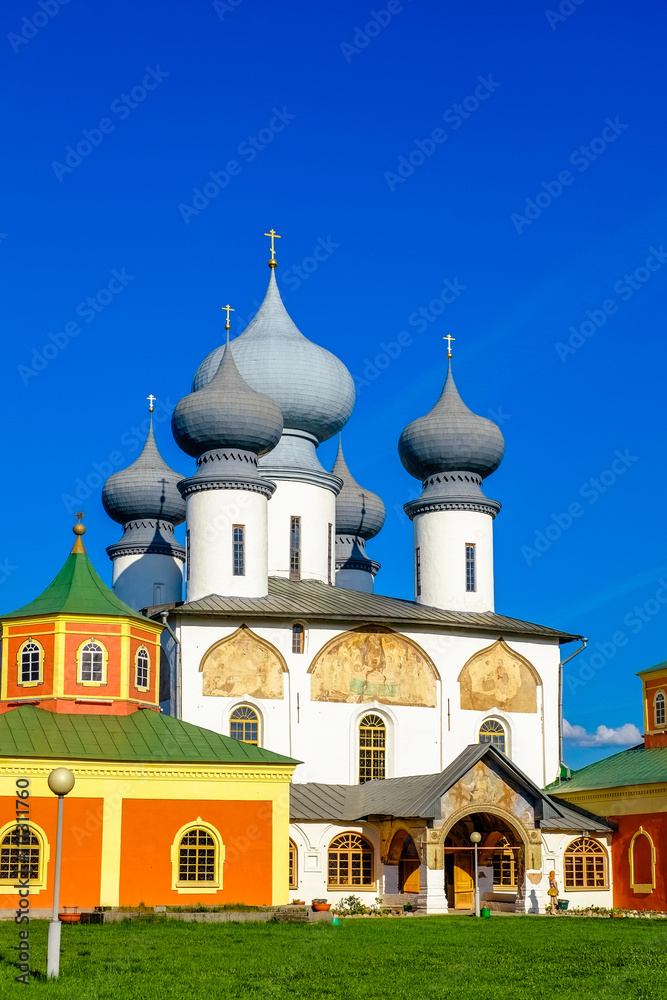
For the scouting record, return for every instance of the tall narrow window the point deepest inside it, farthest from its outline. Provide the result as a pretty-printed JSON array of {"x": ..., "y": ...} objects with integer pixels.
[
  {"x": 244, "y": 725},
  {"x": 295, "y": 548},
  {"x": 187, "y": 554},
  {"x": 31, "y": 663},
  {"x": 91, "y": 667},
  {"x": 238, "y": 539},
  {"x": 504, "y": 867},
  {"x": 158, "y": 589},
  {"x": 372, "y": 748},
  {"x": 141, "y": 668},
  {"x": 471, "y": 582},
  {"x": 492, "y": 732},
  {"x": 196, "y": 857},
  {"x": 660, "y": 713},
  {"x": 298, "y": 636},
  {"x": 293, "y": 870},
  {"x": 330, "y": 552},
  {"x": 418, "y": 571}
]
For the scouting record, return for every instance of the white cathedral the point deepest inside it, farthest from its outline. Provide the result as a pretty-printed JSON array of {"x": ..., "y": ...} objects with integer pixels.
[{"x": 417, "y": 722}]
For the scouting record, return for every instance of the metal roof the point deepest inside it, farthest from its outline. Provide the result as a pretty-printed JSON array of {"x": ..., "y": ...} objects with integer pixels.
[
  {"x": 420, "y": 795},
  {"x": 319, "y": 601},
  {"x": 637, "y": 766},
  {"x": 649, "y": 670},
  {"x": 148, "y": 736}
]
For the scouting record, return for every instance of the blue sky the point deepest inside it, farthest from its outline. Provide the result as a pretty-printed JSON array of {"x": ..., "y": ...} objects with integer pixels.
[{"x": 504, "y": 163}]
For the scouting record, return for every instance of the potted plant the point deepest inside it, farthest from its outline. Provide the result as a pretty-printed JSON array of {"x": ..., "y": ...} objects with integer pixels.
[{"x": 320, "y": 905}]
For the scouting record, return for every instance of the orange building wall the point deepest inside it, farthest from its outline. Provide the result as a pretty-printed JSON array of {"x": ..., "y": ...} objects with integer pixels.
[
  {"x": 82, "y": 850},
  {"x": 109, "y": 636},
  {"x": 655, "y": 824},
  {"x": 652, "y": 685},
  {"x": 149, "y": 827},
  {"x": 44, "y": 633}
]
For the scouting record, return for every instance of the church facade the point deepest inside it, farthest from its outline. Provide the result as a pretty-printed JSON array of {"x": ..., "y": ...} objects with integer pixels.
[{"x": 416, "y": 722}]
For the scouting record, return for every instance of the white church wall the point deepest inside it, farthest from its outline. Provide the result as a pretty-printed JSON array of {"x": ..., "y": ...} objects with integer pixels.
[
  {"x": 554, "y": 845},
  {"x": 211, "y": 516},
  {"x": 312, "y": 842},
  {"x": 143, "y": 580},
  {"x": 441, "y": 537},
  {"x": 316, "y": 506}
]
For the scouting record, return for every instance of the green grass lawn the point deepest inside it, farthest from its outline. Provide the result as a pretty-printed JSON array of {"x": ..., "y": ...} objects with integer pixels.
[{"x": 437, "y": 957}]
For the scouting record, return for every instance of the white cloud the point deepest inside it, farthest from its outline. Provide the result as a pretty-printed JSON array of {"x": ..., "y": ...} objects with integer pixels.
[{"x": 623, "y": 736}]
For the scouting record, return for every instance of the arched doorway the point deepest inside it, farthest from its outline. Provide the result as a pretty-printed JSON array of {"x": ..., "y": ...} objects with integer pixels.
[
  {"x": 403, "y": 852},
  {"x": 500, "y": 859}
]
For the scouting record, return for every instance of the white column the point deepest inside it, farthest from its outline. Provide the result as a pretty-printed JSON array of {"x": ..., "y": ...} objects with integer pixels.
[
  {"x": 211, "y": 516},
  {"x": 142, "y": 580},
  {"x": 432, "y": 895},
  {"x": 440, "y": 540},
  {"x": 316, "y": 508}
]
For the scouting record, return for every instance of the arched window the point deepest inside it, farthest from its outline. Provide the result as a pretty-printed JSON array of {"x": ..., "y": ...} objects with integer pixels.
[
  {"x": 197, "y": 856},
  {"x": 641, "y": 856},
  {"x": 659, "y": 706},
  {"x": 23, "y": 855},
  {"x": 585, "y": 865},
  {"x": 293, "y": 866},
  {"x": 372, "y": 748},
  {"x": 142, "y": 669},
  {"x": 350, "y": 862},
  {"x": 504, "y": 867},
  {"x": 91, "y": 663},
  {"x": 298, "y": 638},
  {"x": 30, "y": 659},
  {"x": 244, "y": 725},
  {"x": 492, "y": 732}
]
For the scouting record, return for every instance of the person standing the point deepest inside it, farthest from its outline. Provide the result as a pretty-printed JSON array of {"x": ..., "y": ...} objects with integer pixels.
[{"x": 553, "y": 891}]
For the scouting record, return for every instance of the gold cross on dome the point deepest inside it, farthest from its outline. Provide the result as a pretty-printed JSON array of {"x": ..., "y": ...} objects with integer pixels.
[
  {"x": 228, "y": 309},
  {"x": 449, "y": 340},
  {"x": 151, "y": 399},
  {"x": 274, "y": 236},
  {"x": 79, "y": 515}
]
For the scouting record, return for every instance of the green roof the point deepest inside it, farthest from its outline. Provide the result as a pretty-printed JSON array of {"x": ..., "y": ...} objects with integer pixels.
[
  {"x": 78, "y": 590},
  {"x": 637, "y": 766},
  {"x": 144, "y": 735},
  {"x": 648, "y": 670}
]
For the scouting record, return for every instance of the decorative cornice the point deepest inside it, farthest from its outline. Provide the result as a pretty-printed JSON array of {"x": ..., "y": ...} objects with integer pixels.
[
  {"x": 322, "y": 479},
  {"x": 194, "y": 485},
  {"x": 423, "y": 505},
  {"x": 227, "y": 455},
  {"x": 367, "y": 566},
  {"x": 203, "y": 770},
  {"x": 455, "y": 490},
  {"x": 147, "y": 536},
  {"x": 131, "y": 549}
]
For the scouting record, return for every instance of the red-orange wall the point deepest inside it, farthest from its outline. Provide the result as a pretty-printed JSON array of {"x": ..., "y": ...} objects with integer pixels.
[
  {"x": 15, "y": 637},
  {"x": 149, "y": 827},
  {"x": 82, "y": 850},
  {"x": 656, "y": 825}
]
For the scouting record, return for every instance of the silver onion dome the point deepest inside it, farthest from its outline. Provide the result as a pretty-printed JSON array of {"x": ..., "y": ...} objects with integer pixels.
[
  {"x": 358, "y": 511},
  {"x": 145, "y": 490},
  {"x": 451, "y": 438},
  {"x": 312, "y": 387},
  {"x": 226, "y": 413}
]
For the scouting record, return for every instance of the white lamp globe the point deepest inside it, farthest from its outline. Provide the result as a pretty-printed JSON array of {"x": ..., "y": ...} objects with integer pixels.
[
  {"x": 475, "y": 837},
  {"x": 61, "y": 781}
]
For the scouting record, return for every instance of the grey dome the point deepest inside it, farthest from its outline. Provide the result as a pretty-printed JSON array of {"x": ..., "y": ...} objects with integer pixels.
[
  {"x": 146, "y": 489},
  {"x": 451, "y": 438},
  {"x": 312, "y": 387},
  {"x": 358, "y": 511},
  {"x": 226, "y": 413}
]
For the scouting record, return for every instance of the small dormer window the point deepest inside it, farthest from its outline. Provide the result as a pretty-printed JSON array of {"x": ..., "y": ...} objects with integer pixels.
[
  {"x": 31, "y": 663},
  {"x": 660, "y": 709}
]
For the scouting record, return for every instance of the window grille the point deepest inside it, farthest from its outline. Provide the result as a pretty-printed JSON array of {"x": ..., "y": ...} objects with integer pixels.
[
  {"x": 585, "y": 865},
  {"x": 372, "y": 748},
  {"x": 92, "y": 663},
  {"x": 418, "y": 571},
  {"x": 293, "y": 872},
  {"x": 295, "y": 548},
  {"x": 471, "y": 583},
  {"x": 142, "y": 666},
  {"x": 492, "y": 732},
  {"x": 31, "y": 662},
  {"x": 244, "y": 725},
  {"x": 660, "y": 711},
  {"x": 196, "y": 857},
  {"x": 330, "y": 553},
  {"x": 350, "y": 862},
  {"x": 504, "y": 867},
  {"x": 19, "y": 856},
  {"x": 238, "y": 540},
  {"x": 298, "y": 638},
  {"x": 187, "y": 554}
]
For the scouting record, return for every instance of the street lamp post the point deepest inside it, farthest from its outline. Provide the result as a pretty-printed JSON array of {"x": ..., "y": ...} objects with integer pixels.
[
  {"x": 61, "y": 781},
  {"x": 475, "y": 838}
]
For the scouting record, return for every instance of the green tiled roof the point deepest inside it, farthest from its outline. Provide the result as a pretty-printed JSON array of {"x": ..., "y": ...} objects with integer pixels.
[
  {"x": 78, "y": 590},
  {"x": 144, "y": 735},
  {"x": 636, "y": 766},
  {"x": 658, "y": 666}
]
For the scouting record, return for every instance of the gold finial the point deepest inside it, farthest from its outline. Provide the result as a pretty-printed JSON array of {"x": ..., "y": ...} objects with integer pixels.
[
  {"x": 229, "y": 309},
  {"x": 151, "y": 399},
  {"x": 274, "y": 235},
  {"x": 449, "y": 340},
  {"x": 78, "y": 529}
]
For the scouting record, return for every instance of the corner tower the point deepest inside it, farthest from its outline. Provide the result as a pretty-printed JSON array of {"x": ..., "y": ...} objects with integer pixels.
[
  {"x": 227, "y": 426},
  {"x": 147, "y": 560},
  {"x": 359, "y": 516},
  {"x": 451, "y": 450},
  {"x": 315, "y": 393}
]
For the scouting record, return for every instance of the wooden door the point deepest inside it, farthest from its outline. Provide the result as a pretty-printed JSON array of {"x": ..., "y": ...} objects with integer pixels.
[{"x": 464, "y": 886}]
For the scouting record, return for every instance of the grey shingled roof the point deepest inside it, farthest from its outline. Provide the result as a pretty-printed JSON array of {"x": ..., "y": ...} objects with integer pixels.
[
  {"x": 146, "y": 489},
  {"x": 312, "y": 387},
  {"x": 419, "y": 796},
  {"x": 358, "y": 511},
  {"x": 451, "y": 438},
  {"x": 317, "y": 601}
]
